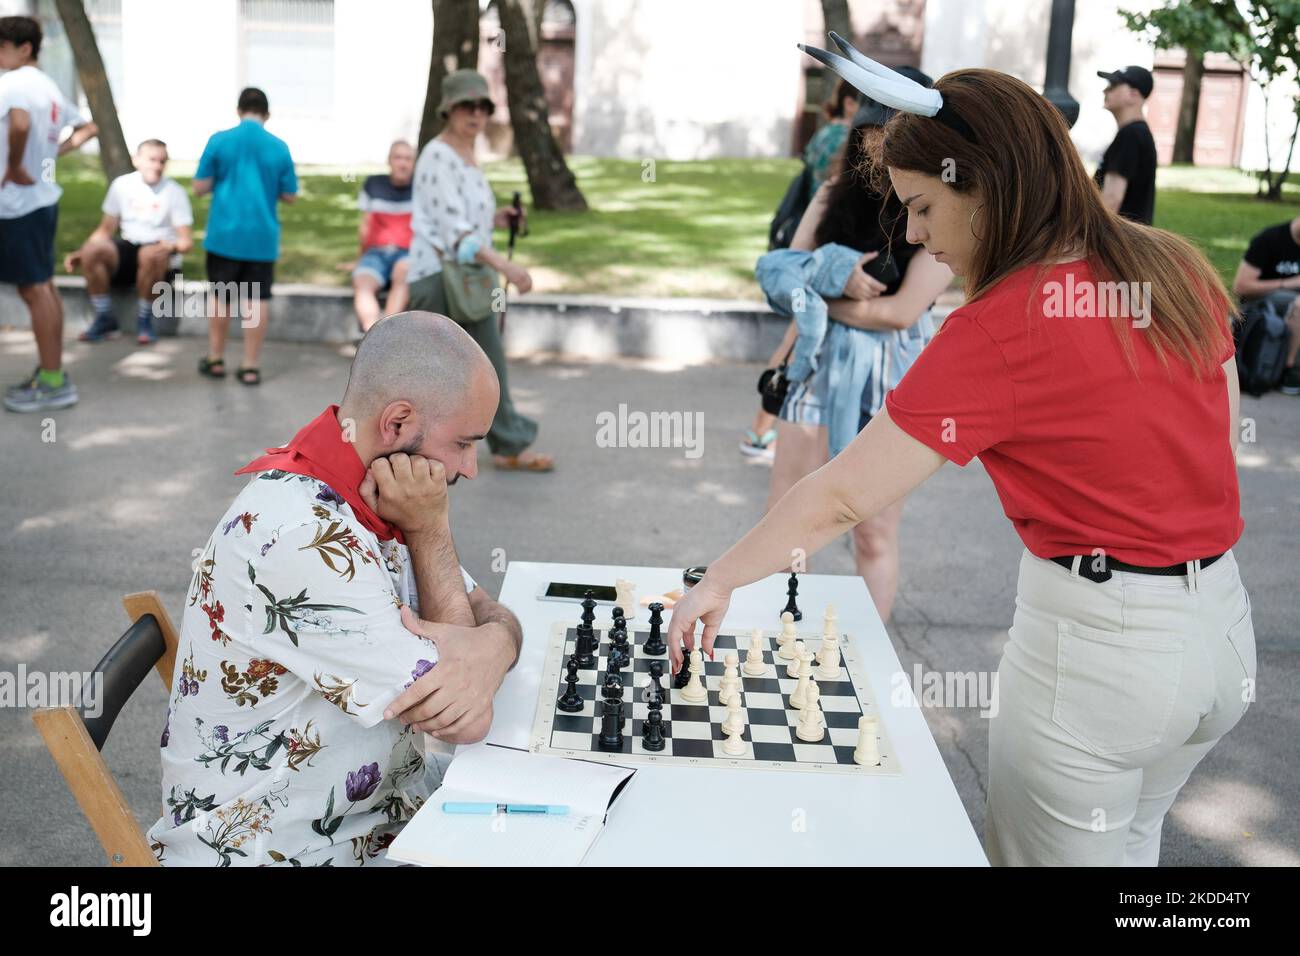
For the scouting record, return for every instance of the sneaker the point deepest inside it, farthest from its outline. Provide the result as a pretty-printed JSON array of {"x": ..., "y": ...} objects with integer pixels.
[
  {"x": 1290, "y": 381},
  {"x": 755, "y": 446},
  {"x": 104, "y": 327},
  {"x": 26, "y": 383},
  {"x": 36, "y": 397},
  {"x": 145, "y": 334}
]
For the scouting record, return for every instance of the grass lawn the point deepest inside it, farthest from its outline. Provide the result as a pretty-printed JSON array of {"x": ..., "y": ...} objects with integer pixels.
[{"x": 695, "y": 230}]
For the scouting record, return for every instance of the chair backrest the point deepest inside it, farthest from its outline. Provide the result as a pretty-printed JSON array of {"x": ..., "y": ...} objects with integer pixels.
[{"x": 75, "y": 739}]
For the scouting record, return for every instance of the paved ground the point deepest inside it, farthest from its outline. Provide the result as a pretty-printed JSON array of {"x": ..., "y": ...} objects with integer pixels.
[{"x": 139, "y": 472}]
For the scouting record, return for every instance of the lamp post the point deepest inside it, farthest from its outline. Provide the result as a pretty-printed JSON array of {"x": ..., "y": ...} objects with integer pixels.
[{"x": 1056, "y": 83}]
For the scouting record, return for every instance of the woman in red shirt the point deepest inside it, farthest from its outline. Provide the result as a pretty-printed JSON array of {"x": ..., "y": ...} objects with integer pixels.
[{"x": 1091, "y": 370}]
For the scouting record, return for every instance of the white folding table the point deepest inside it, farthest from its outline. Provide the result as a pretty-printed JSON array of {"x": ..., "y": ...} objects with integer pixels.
[{"x": 692, "y": 816}]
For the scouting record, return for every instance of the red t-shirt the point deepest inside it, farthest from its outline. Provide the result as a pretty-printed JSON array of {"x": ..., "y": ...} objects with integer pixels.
[{"x": 1083, "y": 453}]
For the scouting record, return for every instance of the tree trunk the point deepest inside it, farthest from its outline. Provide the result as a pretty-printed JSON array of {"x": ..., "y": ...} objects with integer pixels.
[
  {"x": 455, "y": 47},
  {"x": 549, "y": 177},
  {"x": 113, "y": 153},
  {"x": 835, "y": 15},
  {"x": 1275, "y": 186},
  {"x": 1188, "y": 107}
]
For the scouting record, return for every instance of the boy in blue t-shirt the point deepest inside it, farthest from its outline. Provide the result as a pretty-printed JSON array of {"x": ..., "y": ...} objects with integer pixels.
[{"x": 247, "y": 170}]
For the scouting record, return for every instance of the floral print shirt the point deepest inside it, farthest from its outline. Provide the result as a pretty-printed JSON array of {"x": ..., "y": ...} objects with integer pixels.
[{"x": 275, "y": 750}]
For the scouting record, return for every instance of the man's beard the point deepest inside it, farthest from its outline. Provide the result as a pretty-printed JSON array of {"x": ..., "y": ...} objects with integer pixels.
[{"x": 413, "y": 448}]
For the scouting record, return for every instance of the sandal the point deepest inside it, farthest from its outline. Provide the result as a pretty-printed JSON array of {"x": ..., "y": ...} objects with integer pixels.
[
  {"x": 212, "y": 368},
  {"x": 756, "y": 446},
  {"x": 248, "y": 376},
  {"x": 524, "y": 462}
]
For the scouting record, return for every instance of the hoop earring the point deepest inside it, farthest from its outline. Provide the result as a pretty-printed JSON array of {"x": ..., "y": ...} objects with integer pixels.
[{"x": 972, "y": 222}]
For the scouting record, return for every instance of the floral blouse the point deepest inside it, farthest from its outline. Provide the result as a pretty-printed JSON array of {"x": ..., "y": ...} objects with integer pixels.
[
  {"x": 451, "y": 199},
  {"x": 275, "y": 749}
]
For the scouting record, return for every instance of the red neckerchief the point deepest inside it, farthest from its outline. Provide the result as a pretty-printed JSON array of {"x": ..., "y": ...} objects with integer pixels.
[{"x": 320, "y": 452}]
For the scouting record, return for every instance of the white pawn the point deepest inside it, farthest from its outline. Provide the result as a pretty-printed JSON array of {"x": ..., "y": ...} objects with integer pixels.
[
  {"x": 754, "y": 666},
  {"x": 734, "y": 745},
  {"x": 730, "y": 677},
  {"x": 868, "y": 752},
  {"x": 797, "y": 659},
  {"x": 695, "y": 692},
  {"x": 829, "y": 668},
  {"x": 830, "y": 630},
  {"x": 786, "y": 639},
  {"x": 811, "y": 723},
  {"x": 735, "y": 723},
  {"x": 802, "y": 687}
]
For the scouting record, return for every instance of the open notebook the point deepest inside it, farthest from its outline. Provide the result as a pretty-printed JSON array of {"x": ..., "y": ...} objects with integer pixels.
[{"x": 492, "y": 774}]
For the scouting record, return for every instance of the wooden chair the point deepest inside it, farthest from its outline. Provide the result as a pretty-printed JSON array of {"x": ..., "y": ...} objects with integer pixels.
[{"x": 75, "y": 740}]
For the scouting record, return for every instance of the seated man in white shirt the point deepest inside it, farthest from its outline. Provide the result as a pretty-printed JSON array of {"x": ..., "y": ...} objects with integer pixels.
[
  {"x": 295, "y": 643},
  {"x": 154, "y": 216}
]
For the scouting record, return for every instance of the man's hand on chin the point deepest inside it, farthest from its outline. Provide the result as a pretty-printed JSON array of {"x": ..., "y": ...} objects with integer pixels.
[
  {"x": 409, "y": 491},
  {"x": 453, "y": 702}
]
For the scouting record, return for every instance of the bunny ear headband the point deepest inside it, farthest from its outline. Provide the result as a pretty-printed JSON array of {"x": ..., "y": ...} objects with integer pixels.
[{"x": 889, "y": 88}]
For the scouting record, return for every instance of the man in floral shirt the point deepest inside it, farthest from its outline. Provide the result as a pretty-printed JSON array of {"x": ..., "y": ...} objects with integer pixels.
[{"x": 287, "y": 737}]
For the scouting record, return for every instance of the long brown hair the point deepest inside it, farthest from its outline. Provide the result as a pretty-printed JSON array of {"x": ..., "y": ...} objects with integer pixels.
[{"x": 1039, "y": 205}]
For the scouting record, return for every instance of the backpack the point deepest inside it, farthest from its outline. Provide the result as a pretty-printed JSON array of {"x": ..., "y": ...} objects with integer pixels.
[
  {"x": 1262, "y": 338},
  {"x": 797, "y": 197}
]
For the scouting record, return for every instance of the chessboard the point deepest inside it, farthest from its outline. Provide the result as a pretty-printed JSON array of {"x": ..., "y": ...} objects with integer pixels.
[{"x": 693, "y": 732}]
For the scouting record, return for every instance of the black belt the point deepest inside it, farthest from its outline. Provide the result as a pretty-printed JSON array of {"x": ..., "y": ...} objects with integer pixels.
[{"x": 1110, "y": 564}]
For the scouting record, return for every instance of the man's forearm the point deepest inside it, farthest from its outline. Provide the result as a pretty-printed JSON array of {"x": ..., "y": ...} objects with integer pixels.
[
  {"x": 19, "y": 124},
  {"x": 438, "y": 579},
  {"x": 488, "y": 611}
]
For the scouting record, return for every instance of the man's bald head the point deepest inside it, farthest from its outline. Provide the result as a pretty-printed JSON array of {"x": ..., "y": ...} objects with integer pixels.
[{"x": 419, "y": 357}]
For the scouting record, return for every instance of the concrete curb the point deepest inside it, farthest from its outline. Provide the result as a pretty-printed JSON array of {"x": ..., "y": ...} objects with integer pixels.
[{"x": 689, "y": 331}]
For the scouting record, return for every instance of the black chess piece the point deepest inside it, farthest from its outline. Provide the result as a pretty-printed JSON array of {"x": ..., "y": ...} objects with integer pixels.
[
  {"x": 792, "y": 591},
  {"x": 617, "y": 617},
  {"x": 654, "y": 687},
  {"x": 611, "y": 725},
  {"x": 585, "y": 647},
  {"x": 589, "y": 607},
  {"x": 652, "y": 735},
  {"x": 621, "y": 639},
  {"x": 571, "y": 701},
  {"x": 619, "y": 649},
  {"x": 683, "y": 675},
  {"x": 655, "y": 642}
]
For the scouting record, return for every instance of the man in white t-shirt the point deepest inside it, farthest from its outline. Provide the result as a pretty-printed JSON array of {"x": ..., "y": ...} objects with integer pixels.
[
  {"x": 33, "y": 113},
  {"x": 154, "y": 215}
]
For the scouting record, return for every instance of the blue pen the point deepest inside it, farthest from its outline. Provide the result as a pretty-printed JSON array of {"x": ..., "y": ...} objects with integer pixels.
[{"x": 553, "y": 810}]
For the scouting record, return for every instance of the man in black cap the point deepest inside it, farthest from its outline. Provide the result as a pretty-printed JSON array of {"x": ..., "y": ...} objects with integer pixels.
[{"x": 1127, "y": 173}]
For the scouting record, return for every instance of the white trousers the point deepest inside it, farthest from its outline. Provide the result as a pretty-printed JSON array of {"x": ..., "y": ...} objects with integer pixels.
[{"x": 1108, "y": 696}]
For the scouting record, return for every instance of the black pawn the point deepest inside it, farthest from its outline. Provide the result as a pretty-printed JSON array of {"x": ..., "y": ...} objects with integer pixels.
[
  {"x": 617, "y": 618},
  {"x": 611, "y": 725},
  {"x": 655, "y": 642},
  {"x": 571, "y": 701},
  {"x": 652, "y": 738},
  {"x": 654, "y": 688},
  {"x": 793, "y": 592},
  {"x": 684, "y": 675}
]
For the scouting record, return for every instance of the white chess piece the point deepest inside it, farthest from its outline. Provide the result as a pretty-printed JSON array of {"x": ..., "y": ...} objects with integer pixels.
[
  {"x": 800, "y": 696},
  {"x": 796, "y": 658},
  {"x": 811, "y": 723},
  {"x": 830, "y": 631},
  {"x": 829, "y": 668},
  {"x": 730, "y": 677},
  {"x": 734, "y": 745},
  {"x": 625, "y": 597},
  {"x": 695, "y": 692},
  {"x": 786, "y": 639},
  {"x": 735, "y": 722},
  {"x": 868, "y": 752},
  {"x": 754, "y": 666}
]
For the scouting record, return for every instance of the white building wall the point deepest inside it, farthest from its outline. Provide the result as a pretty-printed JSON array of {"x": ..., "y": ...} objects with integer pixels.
[{"x": 686, "y": 79}]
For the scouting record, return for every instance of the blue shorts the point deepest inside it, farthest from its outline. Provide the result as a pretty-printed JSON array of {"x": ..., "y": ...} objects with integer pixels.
[
  {"x": 378, "y": 261},
  {"x": 27, "y": 246}
]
